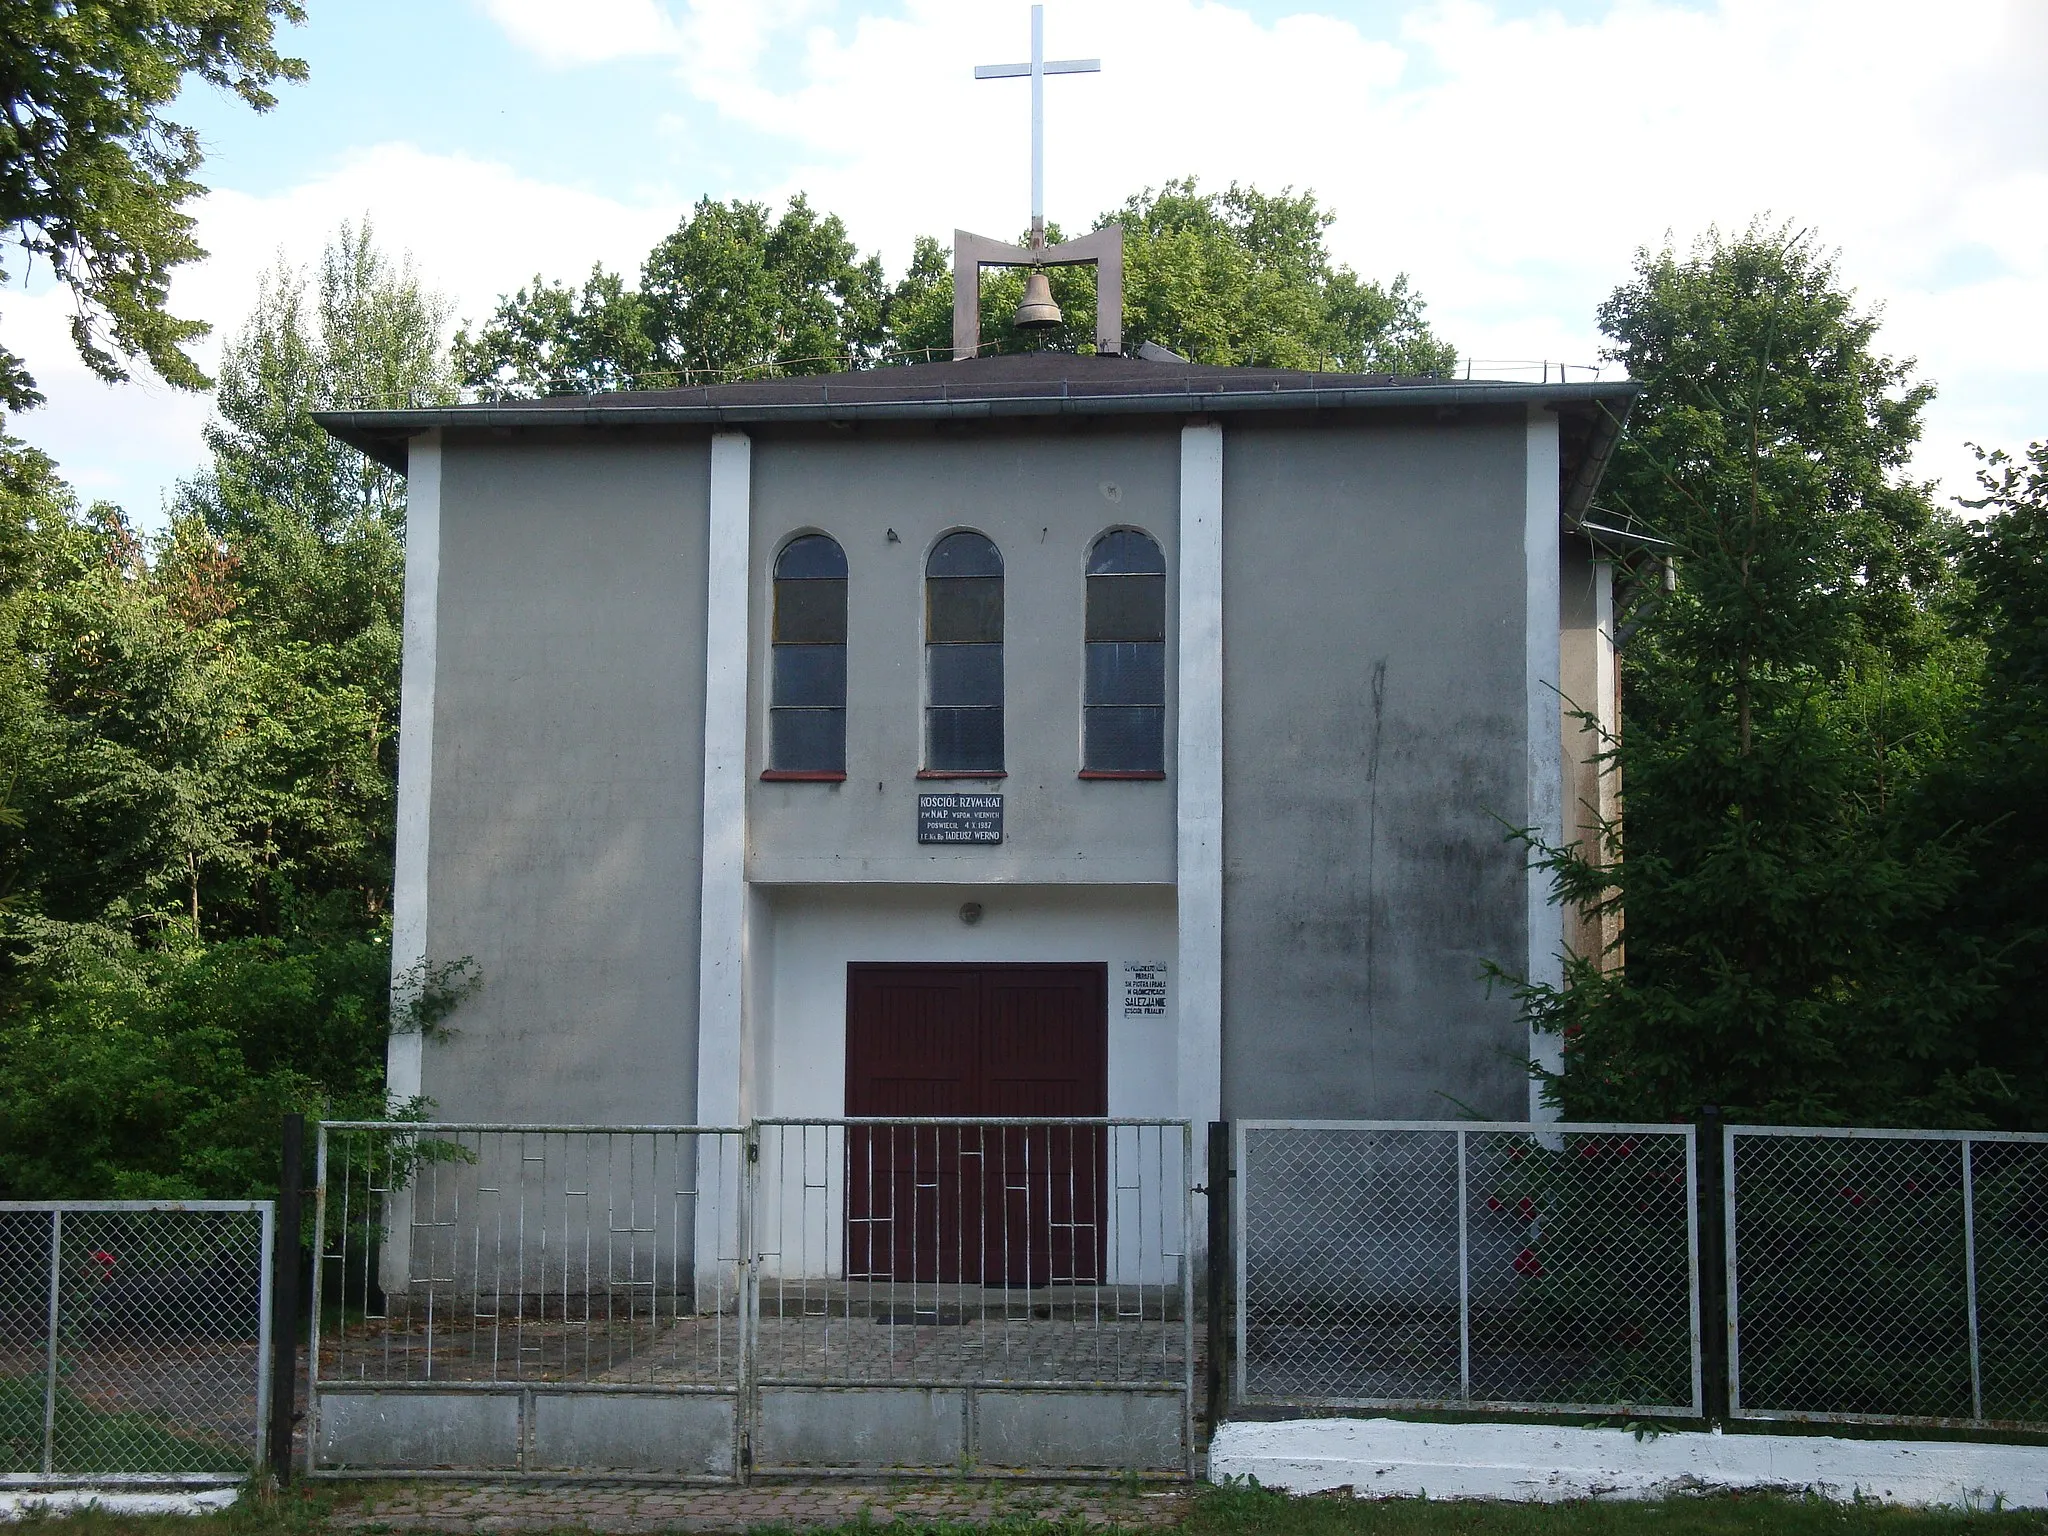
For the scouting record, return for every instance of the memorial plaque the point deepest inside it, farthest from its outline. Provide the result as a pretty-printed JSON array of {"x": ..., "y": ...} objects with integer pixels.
[
  {"x": 959, "y": 818},
  {"x": 1144, "y": 989}
]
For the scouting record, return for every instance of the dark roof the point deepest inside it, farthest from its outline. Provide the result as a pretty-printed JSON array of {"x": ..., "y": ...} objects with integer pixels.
[{"x": 1020, "y": 384}]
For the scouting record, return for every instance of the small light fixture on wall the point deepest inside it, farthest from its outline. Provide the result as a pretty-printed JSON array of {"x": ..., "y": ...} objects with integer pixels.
[{"x": 970, "y": 912}]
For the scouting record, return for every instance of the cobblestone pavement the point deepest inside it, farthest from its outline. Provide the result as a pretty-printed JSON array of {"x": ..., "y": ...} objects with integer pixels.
[{"x": 789, "y": 1506}]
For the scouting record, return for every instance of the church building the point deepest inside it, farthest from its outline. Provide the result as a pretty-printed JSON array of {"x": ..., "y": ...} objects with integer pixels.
[{"x": 1038, "y": 734}]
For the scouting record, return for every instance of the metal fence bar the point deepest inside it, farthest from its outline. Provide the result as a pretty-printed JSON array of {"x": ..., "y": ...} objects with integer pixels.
[
  {"x": 1731, "y": 1283},
  {"x": 1970, "y": 1279},
  {"x": 314, "y": 1292},
  {"x": 1240, "y": 1199},
  {"x": 1464, "y": 1276},
  {"x": 50, "y": 1374},
  {"x": 265, "y": 1296},
  {"x": 1692, "y": 1263}
]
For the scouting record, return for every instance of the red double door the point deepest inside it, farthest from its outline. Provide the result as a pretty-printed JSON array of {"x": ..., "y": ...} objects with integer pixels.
[{"x": 967, "y": 1204}]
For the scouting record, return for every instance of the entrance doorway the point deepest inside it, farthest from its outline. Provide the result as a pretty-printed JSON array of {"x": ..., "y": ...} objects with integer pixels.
[{"x": 964, "y": 1204}]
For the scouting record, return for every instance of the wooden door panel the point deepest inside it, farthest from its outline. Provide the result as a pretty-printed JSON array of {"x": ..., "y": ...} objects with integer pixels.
[
  {"x": 1045, "y": 1052},
  {"x": 1045, "y": 1042},
  {"x": 911, "y": 1050},
  {"x": 910, "y": 1040},
  {"x": 952, "y": 1204}
]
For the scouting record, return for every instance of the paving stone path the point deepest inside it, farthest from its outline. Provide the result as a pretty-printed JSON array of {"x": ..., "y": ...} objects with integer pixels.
[{"x": 787, "y": 1506}]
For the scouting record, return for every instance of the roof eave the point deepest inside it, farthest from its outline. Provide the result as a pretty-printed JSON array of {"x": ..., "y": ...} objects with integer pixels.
[{"x": 383, "y": 435}]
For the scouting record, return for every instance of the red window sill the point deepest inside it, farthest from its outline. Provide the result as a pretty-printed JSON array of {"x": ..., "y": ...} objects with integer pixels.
[
  {"x": 1119, "y": 773},
  {"x": 801, "y": 776},
  {"x": 962, "y": 773}
]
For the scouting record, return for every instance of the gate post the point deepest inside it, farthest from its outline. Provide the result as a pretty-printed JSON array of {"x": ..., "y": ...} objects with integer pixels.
[
  {"x": 284, "y": 1293},
  {"x": 1713, "y": 1266},
  {"x": 1219, "y": 1269}
]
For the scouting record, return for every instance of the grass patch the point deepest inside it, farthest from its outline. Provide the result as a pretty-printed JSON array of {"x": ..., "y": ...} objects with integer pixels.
[
  {"x": 87, "y": 1439},
  {"x": 1258, "y": 1512}
]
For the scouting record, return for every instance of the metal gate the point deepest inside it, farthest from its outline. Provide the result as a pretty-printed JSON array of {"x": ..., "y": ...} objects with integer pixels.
[
  {"x": 705, "y": 1303},
  {"x": 134, "y": 1340},
  {"x": 979, "y": 1295}
]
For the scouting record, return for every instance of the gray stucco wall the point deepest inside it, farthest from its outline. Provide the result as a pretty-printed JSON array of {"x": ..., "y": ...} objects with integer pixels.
[
  {"x": 1043, "y": 495},
  {"x": 1374, "y": 748},
  {"x": 568, "y": 763}
]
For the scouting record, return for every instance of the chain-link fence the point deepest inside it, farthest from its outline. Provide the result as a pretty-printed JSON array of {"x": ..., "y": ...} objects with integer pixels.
[
  {"x": 1467, "y": 1265},
  {"x": 134, "y": 1340},
  {"x": 1888, "y": 1276}
]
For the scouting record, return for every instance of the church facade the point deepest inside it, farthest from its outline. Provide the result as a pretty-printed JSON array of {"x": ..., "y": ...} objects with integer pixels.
[{"x": 1039, "y": 734}]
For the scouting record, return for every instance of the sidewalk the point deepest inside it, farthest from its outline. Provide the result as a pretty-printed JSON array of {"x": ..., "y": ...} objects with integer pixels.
[{"x": 608, "y": 1507}]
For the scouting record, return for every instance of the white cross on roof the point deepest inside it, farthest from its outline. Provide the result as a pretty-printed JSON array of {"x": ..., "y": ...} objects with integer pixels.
[{"x": 1038, "y": 68}]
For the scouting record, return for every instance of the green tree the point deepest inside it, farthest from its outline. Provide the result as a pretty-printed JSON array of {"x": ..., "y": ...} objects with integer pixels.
[
  {"x": 1994, "y": 783},
  {"x": 733, "y": 289},
  {"x": 1233, "y": 277},
  {"x": 1241, "y": 278},
  {"x": 94, "y": 176},
  {"x": 202, "y": 729},
  {"x": 555, "y": 339},
  {"x": 312, "y": 534},
  {"x": 1238, "y": 278},
  {"x": 1775, "y": 706}
]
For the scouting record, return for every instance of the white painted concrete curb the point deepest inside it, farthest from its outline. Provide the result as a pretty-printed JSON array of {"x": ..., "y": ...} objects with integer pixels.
[
  {"x": 15, "y": 1505},
  {"x": 1386, "y": 1458}
]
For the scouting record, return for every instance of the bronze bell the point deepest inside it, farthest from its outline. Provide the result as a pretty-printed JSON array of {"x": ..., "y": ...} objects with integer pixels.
[{"x": 1037, "y": 312}]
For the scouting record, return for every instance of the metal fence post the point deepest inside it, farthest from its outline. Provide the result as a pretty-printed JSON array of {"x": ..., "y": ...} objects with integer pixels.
[
  {"x": 1713, "y": 1228},
  {"x": 1970, "y": 1276},
  {"x": 50, "y": 1376},
  {"x": 284, "y": 1333},
  {"x": 1219, "y": 1269},
  {"x": 1464, "y": 1281},
  {"x": 313, "y": 1290}
]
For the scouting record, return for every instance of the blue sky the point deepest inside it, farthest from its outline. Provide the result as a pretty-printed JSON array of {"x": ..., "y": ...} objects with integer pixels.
[{"x": 1509, "y": 157}]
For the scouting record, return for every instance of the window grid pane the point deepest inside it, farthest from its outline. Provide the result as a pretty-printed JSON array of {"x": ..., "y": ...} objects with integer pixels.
[
  {"x": 963, "y": 740},
  {"x": 810, "y": 612},
  {"x": 1126, "y": 674},
  {"x": 964, "y": 554},
  {"x": 807, "y": 740},
  {"x": 964, "y": 611},
  {"x": 812, "y": 675},
  {"x": 1124, "y": 738},
  {"x": 813, "y": 557},
  {"x": 1126, "y": 608},
  {"x": 1126, "y": 552},
  {"x": 964, "y": 674}
]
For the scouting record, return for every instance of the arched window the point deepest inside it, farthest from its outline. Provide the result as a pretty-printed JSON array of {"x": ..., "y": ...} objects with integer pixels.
[
  {"x": 807, "y": 692},
  {"x": 1123, "y": 701},
  {"x": 963, "y": 656}
]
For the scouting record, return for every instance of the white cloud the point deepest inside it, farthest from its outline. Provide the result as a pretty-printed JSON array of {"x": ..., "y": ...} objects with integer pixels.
[
  {"x": 474, "y": 228},
  {"x": 588, "y": 32},
  {"x": 1511, "y": 166}
]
